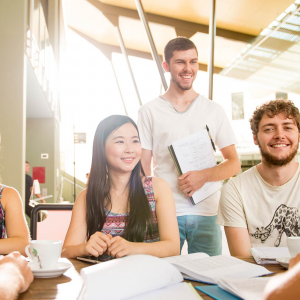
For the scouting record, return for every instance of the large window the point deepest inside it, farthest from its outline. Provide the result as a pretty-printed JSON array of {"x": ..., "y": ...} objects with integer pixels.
[
  {"x": 237, "y": 103},
  {"x": 281, "y": 96}
]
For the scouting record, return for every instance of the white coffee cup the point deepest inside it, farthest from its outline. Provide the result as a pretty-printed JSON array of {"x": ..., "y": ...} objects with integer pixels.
[
  {"x": 44, "y": 253},
  {"x": 293, "y": 244}
]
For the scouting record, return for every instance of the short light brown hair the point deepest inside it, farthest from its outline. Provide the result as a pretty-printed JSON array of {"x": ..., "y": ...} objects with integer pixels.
[
  {"x": 272, "y": 109},
  {"x": 178, "y": 44}
]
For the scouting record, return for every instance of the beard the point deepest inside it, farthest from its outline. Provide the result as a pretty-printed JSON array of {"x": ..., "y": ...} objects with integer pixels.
[
  {"x": 273, "y": 160},
  {"x": 184, "y": 88}
]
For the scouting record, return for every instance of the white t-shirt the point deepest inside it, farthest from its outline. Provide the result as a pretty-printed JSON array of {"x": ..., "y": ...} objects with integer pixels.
[
  {"x": 269, "y": 212},
  {"x": 160, "y": 125}
]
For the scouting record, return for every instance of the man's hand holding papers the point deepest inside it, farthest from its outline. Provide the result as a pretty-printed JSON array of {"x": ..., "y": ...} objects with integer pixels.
[
  {"x": 192, "y": 181},
  {"x": 194, "y": 159}
]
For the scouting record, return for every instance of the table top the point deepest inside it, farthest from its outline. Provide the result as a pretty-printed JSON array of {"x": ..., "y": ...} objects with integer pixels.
[{"x": 68, "y": 285}]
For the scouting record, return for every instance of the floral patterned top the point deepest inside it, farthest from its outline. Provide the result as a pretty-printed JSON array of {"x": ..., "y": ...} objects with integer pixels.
[{"x": 2, "y": 216}]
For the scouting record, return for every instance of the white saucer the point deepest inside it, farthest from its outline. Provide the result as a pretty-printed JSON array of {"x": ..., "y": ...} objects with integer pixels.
[
  {"x": 62, "y": 266},
  {"x": 284, "y": 261}
]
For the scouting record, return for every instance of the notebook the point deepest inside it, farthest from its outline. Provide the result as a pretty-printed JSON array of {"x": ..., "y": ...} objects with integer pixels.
[
  {"x": 195, "y": 153},
  {"x": 217, "y": 293}
]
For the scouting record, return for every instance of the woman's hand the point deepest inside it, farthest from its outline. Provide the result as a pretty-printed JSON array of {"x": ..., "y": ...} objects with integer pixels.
[
  {"x": 98, "y": 244},
  {"x": 120, "y": 247}
]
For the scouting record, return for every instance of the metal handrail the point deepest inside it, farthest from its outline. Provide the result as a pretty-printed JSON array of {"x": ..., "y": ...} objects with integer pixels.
[{"x": 70, "y": 181}]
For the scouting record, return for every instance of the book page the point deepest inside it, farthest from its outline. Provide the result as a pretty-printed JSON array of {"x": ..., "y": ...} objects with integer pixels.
[
  {"x": 212, "y": 268},
  {"x": 195, "y": 152},
  {"x": 186, "y": 257},
  {"x": 250, "y": 288},
  {"x": 178, "y": 291},
  {"x": 147, "y": 273}
]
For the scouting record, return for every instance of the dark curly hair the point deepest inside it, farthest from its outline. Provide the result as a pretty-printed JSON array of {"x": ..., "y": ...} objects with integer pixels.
[{"x": 272, "y": 109}]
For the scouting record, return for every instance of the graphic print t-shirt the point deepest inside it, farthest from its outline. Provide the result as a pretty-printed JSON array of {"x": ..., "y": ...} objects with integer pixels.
[{"x": 271, "y": 213}]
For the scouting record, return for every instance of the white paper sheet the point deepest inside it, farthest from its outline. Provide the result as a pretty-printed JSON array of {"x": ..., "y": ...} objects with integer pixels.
[{"x": 195, "y": 152}]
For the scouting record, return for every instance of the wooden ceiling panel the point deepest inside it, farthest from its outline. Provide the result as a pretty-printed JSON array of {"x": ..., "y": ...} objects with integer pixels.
[
  {"x": 137, "y": 39},
  {"x": 243, "y": 11},
  {"x": 133, "y": 39},
  {"x": 195, "y": 11},
  {"x": 225, "y": 49},
  {"x": 230, "y": 13},
  {"x": 82, "y": 16},
  {"x": 224, "y": 7},
  {"x": 262, "y": 17},
  {"x": 242, "y": 15},
  {"x": 276, "y": 6},
  {"x": 162, "y": 35}
]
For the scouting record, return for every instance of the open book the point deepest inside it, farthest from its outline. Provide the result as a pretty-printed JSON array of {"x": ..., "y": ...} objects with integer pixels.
[
  {"x": 233, "y": 289},
  {"x": 251, "y": 288},
  {"x": 194, "y": 153},
  {"x": 203, "y": 268},
  {"x": 268, "y": 255},
  {"x": 135, "y": 277}
]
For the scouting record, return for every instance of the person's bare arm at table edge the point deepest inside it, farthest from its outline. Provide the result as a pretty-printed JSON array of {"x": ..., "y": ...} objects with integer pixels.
[
  {"x": 238, "y": 241},
  {"x": 38, "y": 195},
  {"x": 15, "y": 276},
  {"x": 232, "y": 216},
  {"x": 285, "y": 286},
  {"x": 16, "y": 227}
]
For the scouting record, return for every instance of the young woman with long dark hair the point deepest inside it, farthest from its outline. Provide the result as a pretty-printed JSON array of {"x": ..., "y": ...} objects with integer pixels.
[{"x": 122, "y": 212}]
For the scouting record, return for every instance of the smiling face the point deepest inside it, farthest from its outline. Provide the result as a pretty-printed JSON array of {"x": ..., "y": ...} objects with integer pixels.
[
  {"x": 183, "y": 67},
  {"x": 278, "y": 139},
  {"x": 123, "y": 149}
]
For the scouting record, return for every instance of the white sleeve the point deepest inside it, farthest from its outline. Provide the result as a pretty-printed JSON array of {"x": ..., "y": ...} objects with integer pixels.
[
  {"x": 145, "y": 130},
  {"x": 231, "y": 210},
  {"x": 224, "y": 135}
]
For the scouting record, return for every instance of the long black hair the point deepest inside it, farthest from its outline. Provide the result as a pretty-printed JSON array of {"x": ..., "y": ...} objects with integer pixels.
[{"x": 140, "y": 217}]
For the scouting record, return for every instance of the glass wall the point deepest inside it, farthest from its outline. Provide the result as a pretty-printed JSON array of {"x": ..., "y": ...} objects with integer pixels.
[{"x": 90, "y": 93}]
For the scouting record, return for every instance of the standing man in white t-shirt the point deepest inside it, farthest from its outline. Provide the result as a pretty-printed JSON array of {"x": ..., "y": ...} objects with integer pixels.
[
  {"x": 177, "y": 114},
  {"x": 260, "y": 207}
]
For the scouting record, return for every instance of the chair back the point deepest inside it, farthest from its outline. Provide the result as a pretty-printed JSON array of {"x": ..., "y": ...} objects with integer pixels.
[{"x": 55, "y": 225}]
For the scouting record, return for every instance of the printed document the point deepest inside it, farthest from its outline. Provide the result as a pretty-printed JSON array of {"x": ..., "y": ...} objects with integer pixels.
[{"x": 195, "y": 152}]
